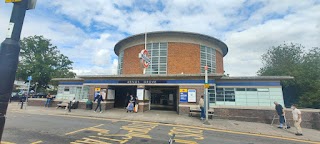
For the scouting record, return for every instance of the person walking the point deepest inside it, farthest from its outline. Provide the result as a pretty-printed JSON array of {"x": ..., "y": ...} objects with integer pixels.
[
  {"x": 296, "y": 116},
  {"x": 280, "y": 113},
  {"x": 127, "y": 99},
  {"x": 201, "y": 104},
  {"x": 130, "y": 107},
  {"x": 99, "y": 99},
  {"x": 49, "y": 97}
]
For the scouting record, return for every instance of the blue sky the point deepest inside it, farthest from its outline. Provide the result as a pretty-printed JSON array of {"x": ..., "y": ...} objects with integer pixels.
[{"x": 86, "y": 31}]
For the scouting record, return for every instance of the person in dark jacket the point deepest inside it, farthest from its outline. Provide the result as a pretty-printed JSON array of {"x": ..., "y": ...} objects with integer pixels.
[
  {"x": 99, "y": 99},
  {"x": 127, "y": 100},
  {"x": 281, "y": 113}
]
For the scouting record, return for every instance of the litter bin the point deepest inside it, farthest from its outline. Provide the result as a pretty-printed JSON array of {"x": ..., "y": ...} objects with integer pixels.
[{"x": 89, "y": 105}]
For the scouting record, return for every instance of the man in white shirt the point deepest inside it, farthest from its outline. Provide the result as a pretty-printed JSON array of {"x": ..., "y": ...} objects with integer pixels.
[{"x": 296, "y": 115}]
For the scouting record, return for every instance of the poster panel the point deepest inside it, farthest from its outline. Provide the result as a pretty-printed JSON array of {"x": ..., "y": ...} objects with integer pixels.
[
  {"x": 140, "y": 94},
  {"x": 111, "y": 94},
  {"x": 147, "y": 94},
  {"x": 183, "y": 95},
  {"x": 192, "y": 95}
]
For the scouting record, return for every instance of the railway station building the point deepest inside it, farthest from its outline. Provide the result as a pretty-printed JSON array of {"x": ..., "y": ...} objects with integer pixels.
[{"x": 165, "y": 70}]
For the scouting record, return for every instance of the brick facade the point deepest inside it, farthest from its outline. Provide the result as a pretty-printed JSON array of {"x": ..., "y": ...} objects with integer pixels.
[
  {"x": 131, "y": 61},
  {"x": 309, "y": 119},
  {"x": 183, "y": 58},
  {"x": 184, "y": 107},
  {"x": 219, "y": 63}
]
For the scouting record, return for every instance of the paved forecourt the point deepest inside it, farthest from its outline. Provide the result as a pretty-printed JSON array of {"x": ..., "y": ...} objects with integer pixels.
[{"x": 37, "y": 129}]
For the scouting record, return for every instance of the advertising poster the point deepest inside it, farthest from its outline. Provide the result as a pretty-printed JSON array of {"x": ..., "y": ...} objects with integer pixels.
[
  {"x": 192, "y": 95},
  {"x": 183, "y": 95},
  {"x": 140, "y": 94},
  {"x": 111, "y": 94},
  {"x": 147, "y": 94},
  {"x": 96, "y": 92}
]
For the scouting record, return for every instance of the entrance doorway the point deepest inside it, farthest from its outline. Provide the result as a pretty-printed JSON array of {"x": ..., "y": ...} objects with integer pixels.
[
  {"x": 163, "y": 98},
  {"x": 121, "y": 93}
]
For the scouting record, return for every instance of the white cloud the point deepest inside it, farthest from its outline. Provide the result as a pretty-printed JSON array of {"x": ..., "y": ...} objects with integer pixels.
[
  {"x": 246, "y": 47},
  {"x": 86, "y": 31}
]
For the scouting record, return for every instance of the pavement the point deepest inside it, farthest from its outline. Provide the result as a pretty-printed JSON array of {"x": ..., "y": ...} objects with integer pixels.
[{"x": 172, "y": 119}]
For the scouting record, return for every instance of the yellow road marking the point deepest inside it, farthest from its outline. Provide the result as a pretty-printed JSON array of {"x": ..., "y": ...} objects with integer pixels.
[
  {"x": 185, "y": 141},
  {"x": 124, "y": 140},
  {"x": 37, "y": 142},
  {"x": 88, "y": 141},
  {"x": 209, "y": 129},
  {"x": 94, "y": 128},
  {"x": 187, "y": 132},
  {"x": 4, "y": 142}
]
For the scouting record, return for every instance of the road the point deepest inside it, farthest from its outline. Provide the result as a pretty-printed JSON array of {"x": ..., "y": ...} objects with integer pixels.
[{"x": 23, "y": 128}]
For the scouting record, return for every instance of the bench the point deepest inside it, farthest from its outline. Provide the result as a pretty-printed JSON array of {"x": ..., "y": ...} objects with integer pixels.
[
  {"x": 65, "y": 104},
  {"x": 196, "y": 110}
]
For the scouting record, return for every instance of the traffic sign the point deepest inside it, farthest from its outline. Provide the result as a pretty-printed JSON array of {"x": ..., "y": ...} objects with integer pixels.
[
  {"x": 206, "y": 85},
  {"x": 144, "y": 56},
  {"x": 29, "y": 78}
]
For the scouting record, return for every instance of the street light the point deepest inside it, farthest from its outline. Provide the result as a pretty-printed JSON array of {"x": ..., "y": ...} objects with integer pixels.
[{"x": 9, "y": 54}]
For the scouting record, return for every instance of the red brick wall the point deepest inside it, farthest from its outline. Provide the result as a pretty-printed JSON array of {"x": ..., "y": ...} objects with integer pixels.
[
  {"x": 199, "y": 89},
  {"x": 309, "y": 119},
  {"x": 219, "y": 63},
  {"x": 183, "y": 57},
  {"x": 131, "y": 61}
]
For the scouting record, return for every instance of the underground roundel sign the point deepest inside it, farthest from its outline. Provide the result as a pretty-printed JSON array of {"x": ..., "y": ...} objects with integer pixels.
[{"x": 145, "y": 58}]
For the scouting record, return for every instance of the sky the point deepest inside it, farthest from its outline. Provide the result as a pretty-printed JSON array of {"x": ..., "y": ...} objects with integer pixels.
[{"x": 86, "y": 31}]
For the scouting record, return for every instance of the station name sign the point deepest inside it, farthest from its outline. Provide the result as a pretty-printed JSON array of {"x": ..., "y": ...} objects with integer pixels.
[{"x": 143, "y": 81}]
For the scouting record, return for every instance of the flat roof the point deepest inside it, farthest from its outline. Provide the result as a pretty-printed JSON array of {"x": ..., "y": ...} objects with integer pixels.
[
  {"x": 216, "y": 41},
  {"x": 179, "y": 76}
]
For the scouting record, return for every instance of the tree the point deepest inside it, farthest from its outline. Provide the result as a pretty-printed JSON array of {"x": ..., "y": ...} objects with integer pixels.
[
  {"x": 291, "y": 60},
  {"x": 43, "y": 61}
]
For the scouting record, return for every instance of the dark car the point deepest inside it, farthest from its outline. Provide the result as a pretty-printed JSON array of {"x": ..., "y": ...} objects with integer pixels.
[
  {"x": 15, "y": 96},
  {"x": 40, "y": 95}
]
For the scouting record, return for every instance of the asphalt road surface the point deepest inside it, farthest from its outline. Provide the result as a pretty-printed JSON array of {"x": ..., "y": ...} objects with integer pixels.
[{"x": 59, "y": 129}]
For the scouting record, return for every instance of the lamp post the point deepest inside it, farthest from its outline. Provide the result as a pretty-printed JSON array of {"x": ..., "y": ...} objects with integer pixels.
[
  {"x": 9, "y": 54},
  {"x": 206, "y": 100}
]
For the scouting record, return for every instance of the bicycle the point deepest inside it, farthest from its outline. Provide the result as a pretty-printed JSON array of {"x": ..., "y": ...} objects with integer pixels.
[{"x": 171, "y": 140}]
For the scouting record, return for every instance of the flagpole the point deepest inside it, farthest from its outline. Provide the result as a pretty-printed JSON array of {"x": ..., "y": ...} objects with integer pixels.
[{"x": 145, "y": 46}]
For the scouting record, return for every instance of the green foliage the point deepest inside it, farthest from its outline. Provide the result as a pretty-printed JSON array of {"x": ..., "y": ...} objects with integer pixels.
[
  {"x": 292, "y": 60},
  {"x": 43, "y": 61}
]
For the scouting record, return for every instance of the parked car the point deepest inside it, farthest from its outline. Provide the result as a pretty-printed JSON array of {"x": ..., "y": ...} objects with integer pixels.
[
  {"x": 15, "y": 96},
  {"x": 40, "y": 95}
]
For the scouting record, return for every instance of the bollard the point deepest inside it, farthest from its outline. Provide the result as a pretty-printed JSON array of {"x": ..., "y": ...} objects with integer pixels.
[
  {"x": 21, "y": 105},
  {"x": 70, "y": 106}
]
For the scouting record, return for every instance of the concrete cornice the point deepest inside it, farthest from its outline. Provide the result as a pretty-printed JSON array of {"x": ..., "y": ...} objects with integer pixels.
[
  {"x": 172, "y": 36},
  {"x": 172, "y": 76}
]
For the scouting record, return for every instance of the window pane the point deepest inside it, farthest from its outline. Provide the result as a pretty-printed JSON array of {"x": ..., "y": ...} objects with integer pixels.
[
  {"x": 207, "y": 57},
  {"x": 240, "y": 89},
  {"x": 230, "y": 98},
  {"x": 220, "y": 97},
  {"x": 229, "y": 89},
  {"x": 251, "y": 89}
]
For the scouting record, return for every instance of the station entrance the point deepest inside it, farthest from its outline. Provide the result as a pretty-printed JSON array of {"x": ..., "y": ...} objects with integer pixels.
[
  {"x": 163, "y": 97},
  {"x": 122, "y": 94}
]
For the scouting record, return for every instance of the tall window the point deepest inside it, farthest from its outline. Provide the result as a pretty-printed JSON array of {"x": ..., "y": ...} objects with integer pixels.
[
  {"x": 120, "y": 62},
  {"x": 158, "y": 55},
  {"x": 212, "y": 94},
  {"x": 225, "y": 94},
  {"x": 208, "y": 57}
]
